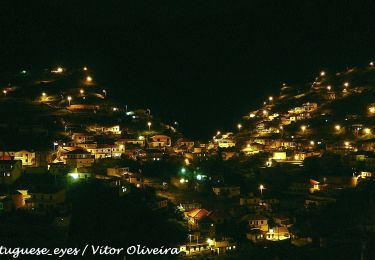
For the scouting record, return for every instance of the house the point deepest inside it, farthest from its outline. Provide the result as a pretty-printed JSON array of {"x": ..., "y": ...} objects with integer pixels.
[
  {"x": 257, "y": 222},
  {"x": 282, "y": 220},
  {"x": 107, "y": 151},
  {"x": 10, "y": 171},
  {"x": 136, "y": 142},
  {"x": 48, "y": 197},
  {"x": 227, "y": 191},
  {"x": 184, "y": 142},
  {"x": 27, "y": 157},
  {"x": 278, "y": 233},
  {"x": 102, "y": 129},
  {"x": 79, "y": 158},
  {"x": 82, "y": 137},
  {"x": 159, "y": 141},
  {"x": 195, "y": 216},
  {"x": 255, "y": 235}
]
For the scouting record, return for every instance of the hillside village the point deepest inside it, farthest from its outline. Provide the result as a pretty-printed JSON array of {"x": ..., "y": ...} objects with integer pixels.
[{"x": 305, "y": 152}]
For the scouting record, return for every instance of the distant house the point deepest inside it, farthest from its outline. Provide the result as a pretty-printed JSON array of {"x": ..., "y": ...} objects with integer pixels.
[
  {"x": 255, "y": 235},
  {"x": 105, "y": 129},
  {"x": 79, "y": 158},
  {"x": 27, "y": 157},
  {"x": 10, "y": 171},
  {"x": 82, "y": 137},
  {"x": 107, "y": 151},
  {"x": 160, "y": 141},
  {"x": 257, "y": 222},
  {"x": 46, "y": 198},
  {"x": 195, "y": 216},
  {"x": 278, "y": 233},
  {"x": 189, "y": 144},
  {"x": 136, "y": 142},
  {"x": 227, "y": 191},
  {"x": 282, "y": 220}
]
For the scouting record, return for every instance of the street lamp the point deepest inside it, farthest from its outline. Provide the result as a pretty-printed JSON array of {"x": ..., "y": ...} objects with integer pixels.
[
  {"x": 322, "y": 73},
  {"x": 261, "y": 188},
  {"x": 88, "y": 79},
  {"x": 5, "y": 92},
  {"x": 149, "y": 126},
  {"x": 338, "y": 127},
  {"x": 329, "y": 87},
  {"x": 44, "y": 94},
  {"x": 346, "y": 84},
  {"x": 239, "y": 126},
  {"x": 371, "y": 63},
  {"x": 69, "y": 99},
  {"x": 85, "y": 68},
  {"x": 270, "y": 98},
  {"x": 303, "y": 128},
  {"x": 81, "y": 91}
]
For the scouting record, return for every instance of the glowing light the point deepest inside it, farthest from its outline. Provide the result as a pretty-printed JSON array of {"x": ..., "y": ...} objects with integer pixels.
[
  {"x": 371, "y": 63},
  {"x": 338, "y": 127},
  {"x": 265, "y": 112},
  {"x": 183, "y": 170},
  {"x": 261, "y": 188},
  {"x": 346, "y": 84},
  {"x": 312, "y": 143},
  {"x": 122, "y": 146},
  {"x": 329, "y": 87},
  {"x": 88, "y": 79},
  {"x": 149, "y": 125},
  {"x": 303, "y": 128},
  {"x": 81, "y": 91},
  {"x": 367, "y": 131},
  {"x": 346, "y": 143},
  {"x": 74, "y": 175},
  {"x": 239, "y": 126},
  {"x": 44, "y": 94},
  {"x": 322, "y": 73},
  {"x": 141, "y": 137},
  {"x": 115, "y": 109},
  {"x": 372, "y": 110},
  {"x": 69, "y": 99},
  {"x": 199, "y": 177},
  {"x": 218, "y": 133},
  {"x": 209, "y": 241},
  {"x": 252, "y": 115},
  {"x": 270, "y": 98},
  {"x": 85, "y": 68},
  {"x": 182, "y": 180},
  {"x": 5, "y": 92}
]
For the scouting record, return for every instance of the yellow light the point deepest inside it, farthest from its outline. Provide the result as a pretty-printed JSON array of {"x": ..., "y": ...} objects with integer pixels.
[
  {"x": 372, "y": 110},
  {"x": 88, "y": 79},
  {"x": 115, "y": 109},
  {"x": 347, "y": 143},
  {"x": 239, "y": 126},
  {"x": 312, "y": 143},
  {"x": 187, "y": 161},
  {"x": 371, "y": 63},
  {"x": 261, "y": 187},
  {"x": 281, "y": 127},
  {"x": 182, "y": 180},
  {"x": 252, "y": 115},
  {"x": 44, "y": 94},
  {"x": 218, "y": 133},
  {"x": 270, "y": 98},
  {"x": 121, "y": 146},
  {"x": 140, "y": 137},
  {"x": 74, "y": 175},
  {"x": 338, "y": 127},
  {"x": 149, "y": 123},
  {"x": 248, "y": 145},
  {"x": 209, "y": 241},
  {"x": 59, "y": 69},
  {"x": 367, "y": 131},
  {"x": 322, "y": 73},
  {"x": 4, "y": 91},
  {"x": 69, "y": 98},
  {"x": 346, "y": 84},
  {"x": 265, "y": 112},
  {"x": 81, "y": 91},
  {"x": 329, "y": 87},
  {"x": 303, "y": 128},
  {"x": 84, "y": 68}
]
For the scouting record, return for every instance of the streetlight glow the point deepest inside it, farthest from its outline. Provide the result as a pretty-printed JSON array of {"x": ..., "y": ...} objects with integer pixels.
[
  {"x": 322, "y": 73},
  {"x": 338, "y": 127},
  {"x": 239, "y": 126},
  {"x": 69, "y": 99},
  {"x": 149, "y": 126},
  {"x": 88, "y": 79}
]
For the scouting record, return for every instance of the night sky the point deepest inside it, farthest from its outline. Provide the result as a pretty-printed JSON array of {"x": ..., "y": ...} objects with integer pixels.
[{"x": 203, "y": 63}]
